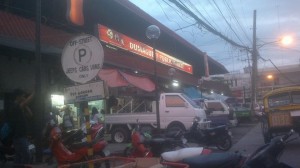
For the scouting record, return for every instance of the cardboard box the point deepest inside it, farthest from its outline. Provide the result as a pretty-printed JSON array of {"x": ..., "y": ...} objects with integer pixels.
[{"x": 148, "y": 163}]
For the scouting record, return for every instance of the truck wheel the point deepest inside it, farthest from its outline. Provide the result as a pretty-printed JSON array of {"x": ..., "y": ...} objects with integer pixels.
[
  {"x": 119, "y": 135},
  {"x": 174, "y": 127},
  {"x": 265, "y": 130}
]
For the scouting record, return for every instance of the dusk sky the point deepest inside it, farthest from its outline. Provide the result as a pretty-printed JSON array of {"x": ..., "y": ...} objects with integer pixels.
[{"x": 234, "y": 19}]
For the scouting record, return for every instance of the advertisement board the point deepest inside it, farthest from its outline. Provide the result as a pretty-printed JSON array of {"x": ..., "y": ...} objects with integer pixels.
[
  {"x": 122, "y": 41},
  {"x": 85, "y": 92}
]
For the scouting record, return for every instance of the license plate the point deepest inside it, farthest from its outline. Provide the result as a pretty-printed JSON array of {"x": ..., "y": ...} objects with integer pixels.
[
  {"x": 106, "y": 152},
  {"x": 184, "y": 140}
]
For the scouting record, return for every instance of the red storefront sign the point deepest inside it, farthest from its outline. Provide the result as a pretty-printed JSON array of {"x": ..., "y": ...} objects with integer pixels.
[{"x": 122, "y": 41}]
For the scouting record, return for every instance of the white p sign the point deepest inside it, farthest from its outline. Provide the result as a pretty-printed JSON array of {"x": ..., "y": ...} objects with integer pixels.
[{"x": 82, "y": 58}]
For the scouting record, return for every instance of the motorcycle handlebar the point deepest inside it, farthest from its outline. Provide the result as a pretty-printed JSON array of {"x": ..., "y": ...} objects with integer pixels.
[{"x": 285, "y": 137}]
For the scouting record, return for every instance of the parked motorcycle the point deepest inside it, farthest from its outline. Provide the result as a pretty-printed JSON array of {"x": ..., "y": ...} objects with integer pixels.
[
  {"x": 218, "y": 136},
  {"x": 266, "y": 156},
  {"x": 7, "y": 150},
  {"x": 77, "y": 152},
  {"x": 145, "y": 145}
]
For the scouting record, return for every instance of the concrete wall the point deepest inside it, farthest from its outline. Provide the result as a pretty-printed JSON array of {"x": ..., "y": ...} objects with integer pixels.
[{"x": 16, "y": 73}]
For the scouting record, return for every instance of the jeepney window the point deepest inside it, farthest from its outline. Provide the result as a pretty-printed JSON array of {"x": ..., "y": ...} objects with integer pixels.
[
  {"x": 296, "y": 97},
  {"x": 174, "y": 101},
  {"x": 279, "y": 100}
]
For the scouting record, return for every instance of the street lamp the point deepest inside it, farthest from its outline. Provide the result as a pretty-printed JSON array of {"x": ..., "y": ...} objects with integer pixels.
[
  {"x": 153, "y": 33},
  {"x": 271, "y": 78}
]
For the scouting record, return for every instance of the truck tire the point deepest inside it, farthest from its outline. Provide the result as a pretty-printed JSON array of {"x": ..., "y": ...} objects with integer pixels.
[
  {"x": 120, "y": 135},
  {"x": 175, "y": 126}
]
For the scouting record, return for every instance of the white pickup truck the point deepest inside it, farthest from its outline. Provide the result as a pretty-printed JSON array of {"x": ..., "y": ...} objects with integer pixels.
[{"x": 176, "y": 110}]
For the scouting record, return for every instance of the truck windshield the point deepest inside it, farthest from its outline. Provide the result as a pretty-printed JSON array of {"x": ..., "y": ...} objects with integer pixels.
[{"x": 190, "y": 101}]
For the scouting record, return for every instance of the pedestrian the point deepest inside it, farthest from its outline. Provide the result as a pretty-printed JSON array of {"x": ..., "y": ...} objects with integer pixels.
[
  {"x": 68, "y": 123},
  {"x": 96, "y": 116},
  {"x": 18, "y": 123}
]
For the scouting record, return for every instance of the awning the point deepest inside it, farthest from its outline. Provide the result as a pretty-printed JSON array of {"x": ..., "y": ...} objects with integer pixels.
[
  {"x": 116, "y": 78},
  {"x": 192, "y": 93}
]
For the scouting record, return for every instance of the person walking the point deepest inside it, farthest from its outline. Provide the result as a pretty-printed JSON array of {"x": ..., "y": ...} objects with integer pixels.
[{"x": 17, "y": 122}]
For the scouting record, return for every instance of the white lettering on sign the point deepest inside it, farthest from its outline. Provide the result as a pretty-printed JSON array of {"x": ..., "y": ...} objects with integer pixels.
[
  {"x": 85, "y": 92},
  {"x": 140, "y": 49},
  {"x": 82, "y": 58}
]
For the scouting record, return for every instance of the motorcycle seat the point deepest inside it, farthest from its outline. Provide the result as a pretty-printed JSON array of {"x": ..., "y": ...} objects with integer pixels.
[
  {"x": 78, "y": 145},
  {"x": 220, "y": 127},
  {"x": 213, "y": 160}
]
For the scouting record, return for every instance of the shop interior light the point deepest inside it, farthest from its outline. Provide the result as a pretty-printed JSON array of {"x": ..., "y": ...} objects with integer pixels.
[
  {"x": 57, "y": 99},
  {"x": 175, "y": 83}
]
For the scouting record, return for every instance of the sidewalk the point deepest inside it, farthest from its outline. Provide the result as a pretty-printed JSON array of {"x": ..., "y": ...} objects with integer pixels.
[
  {"x": 250, "y": 142},
  {"x": 246, "y": 145}
]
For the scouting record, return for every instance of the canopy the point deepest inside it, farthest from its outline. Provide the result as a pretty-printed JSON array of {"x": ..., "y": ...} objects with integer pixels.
[{"x": 116, "y": 78}]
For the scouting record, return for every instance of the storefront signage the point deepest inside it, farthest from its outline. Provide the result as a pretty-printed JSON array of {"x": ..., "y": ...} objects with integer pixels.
[
  {"x": 82, "y": 58},
  {"x": 120, "y": 40},
  {"x": 86, "y": 92}
]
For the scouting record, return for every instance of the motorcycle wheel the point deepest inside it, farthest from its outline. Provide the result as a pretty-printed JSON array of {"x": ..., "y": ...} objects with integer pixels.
[
  {"x": 224, "y": 143},
  {"x": 99, "y": 155}
]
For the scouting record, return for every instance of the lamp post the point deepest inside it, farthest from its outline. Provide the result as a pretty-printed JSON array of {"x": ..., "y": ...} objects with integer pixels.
[
  {"x": 153, "y": 33},
  {"x": 271, "y": 78}
]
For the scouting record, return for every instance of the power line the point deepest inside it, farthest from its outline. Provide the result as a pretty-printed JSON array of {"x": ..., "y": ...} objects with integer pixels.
[
  {"x": 206, "y": 26},
  {"x": 282, "y": 74},
  {"x": 229, "y": 25}
]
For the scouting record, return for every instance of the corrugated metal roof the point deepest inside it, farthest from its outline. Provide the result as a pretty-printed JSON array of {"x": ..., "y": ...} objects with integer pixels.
[{"x": 19, "y": 28}]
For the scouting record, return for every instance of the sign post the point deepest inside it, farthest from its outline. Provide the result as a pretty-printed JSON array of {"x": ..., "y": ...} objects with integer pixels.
[{"x": 81, "y": 60}]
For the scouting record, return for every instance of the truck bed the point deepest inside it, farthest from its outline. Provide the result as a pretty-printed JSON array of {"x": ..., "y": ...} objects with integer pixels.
[{"x": 131, "y": 118}]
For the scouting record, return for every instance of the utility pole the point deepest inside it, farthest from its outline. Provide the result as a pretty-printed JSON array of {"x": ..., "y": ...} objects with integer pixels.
[{"x": 254, "y": 67}]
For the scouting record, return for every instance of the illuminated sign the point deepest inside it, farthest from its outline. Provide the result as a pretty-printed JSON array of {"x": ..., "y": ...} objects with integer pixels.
[
  {"x": 120, "y": 40},
  {"x": 75, "y": 12}
]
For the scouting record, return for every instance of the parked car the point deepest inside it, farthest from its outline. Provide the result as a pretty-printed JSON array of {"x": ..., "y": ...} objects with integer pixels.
[{"x": 242, "y": 113}]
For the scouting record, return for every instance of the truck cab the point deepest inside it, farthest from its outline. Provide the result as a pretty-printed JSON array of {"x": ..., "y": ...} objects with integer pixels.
[{"x": 178, "y": 111}]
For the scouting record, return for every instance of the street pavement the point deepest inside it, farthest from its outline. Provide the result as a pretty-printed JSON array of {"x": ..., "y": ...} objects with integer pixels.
[
  {"x": 254, "y": 139},
  {"x": 246, "y": 144}
]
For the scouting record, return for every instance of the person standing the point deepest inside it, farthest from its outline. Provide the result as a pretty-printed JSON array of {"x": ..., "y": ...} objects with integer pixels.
[
  {"x": 68, "y": 123},
  {"x": 18, "y": 122},
  {"x": 96, "y": 117}
]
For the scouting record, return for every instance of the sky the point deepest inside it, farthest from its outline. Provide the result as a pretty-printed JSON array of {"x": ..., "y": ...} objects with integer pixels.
[{"x": 275, "y": 19}]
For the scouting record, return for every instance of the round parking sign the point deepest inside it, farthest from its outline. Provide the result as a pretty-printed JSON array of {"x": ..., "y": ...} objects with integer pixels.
[{"x": 82, "y": 58}]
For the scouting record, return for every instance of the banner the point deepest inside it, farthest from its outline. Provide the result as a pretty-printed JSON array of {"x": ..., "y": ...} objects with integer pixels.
[{"x": 122, "y": 41}]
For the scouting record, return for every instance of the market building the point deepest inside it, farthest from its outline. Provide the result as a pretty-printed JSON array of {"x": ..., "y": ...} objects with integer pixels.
[{"x": 128, "y": 67}]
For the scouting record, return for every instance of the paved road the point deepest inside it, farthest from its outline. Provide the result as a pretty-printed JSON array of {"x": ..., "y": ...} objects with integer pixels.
[{"x": 253, "y": 139}]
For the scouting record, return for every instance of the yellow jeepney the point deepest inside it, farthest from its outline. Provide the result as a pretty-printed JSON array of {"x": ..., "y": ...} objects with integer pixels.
[{"x": 281, "y": 112}]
